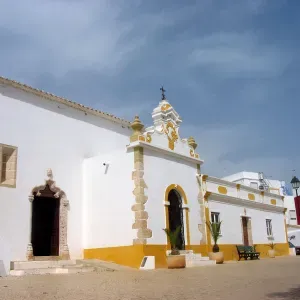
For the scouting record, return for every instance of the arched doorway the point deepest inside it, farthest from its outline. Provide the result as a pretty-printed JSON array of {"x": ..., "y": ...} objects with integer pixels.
[
  {"x": 175, "y": 214},
  {"x": 48, "y": 221},
  {"x": 45, "y": 223}
]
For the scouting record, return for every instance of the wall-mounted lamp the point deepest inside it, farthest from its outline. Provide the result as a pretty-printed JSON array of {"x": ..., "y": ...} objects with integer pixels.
[{"x": 106, "y": 165}]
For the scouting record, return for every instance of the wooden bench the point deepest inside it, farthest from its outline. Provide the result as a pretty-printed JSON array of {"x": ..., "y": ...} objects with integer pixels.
[{"x": 247, "y": 252}]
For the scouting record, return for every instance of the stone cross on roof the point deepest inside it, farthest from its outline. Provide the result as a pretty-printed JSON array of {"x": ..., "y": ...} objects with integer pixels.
[{"x": 163, "y": 97}]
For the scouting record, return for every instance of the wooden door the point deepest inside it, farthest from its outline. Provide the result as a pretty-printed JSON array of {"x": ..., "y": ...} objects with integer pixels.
[
  {"x": 245, "y": 231},
  {"x": 55, "y": 230}
]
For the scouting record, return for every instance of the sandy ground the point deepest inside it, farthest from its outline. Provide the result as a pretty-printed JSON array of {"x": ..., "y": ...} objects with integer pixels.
[{"x": 265, "y": 279}]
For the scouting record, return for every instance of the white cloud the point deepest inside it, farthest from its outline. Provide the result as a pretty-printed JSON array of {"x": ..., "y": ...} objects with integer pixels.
[
  {"x": 214, "y": 143},
  {"x": 65, "y": 35},
  {"x": 232, "y": 54}
]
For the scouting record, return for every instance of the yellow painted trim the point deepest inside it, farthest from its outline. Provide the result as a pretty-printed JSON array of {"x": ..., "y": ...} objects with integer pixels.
[
  {"x": 192, "y": 152},
  {"x": 181, "y": 192},
  {"x": 132, "y": 255},
  {"x": 273, "y": 201},
  {"x": 222, "y": 190},
  {"x": 187, "y": 217},
  {"x": 251, "y": 196},
  {"x": 149, "y": 138},
  {"x": 204, "y": 177},
  {"x": 166, "y": 107},
  {"x": 208, "y": 235},
  {"x": 179, "y": 189},
  {"x": 206, "y": 196},
  {"x": 174, "y": 135},
  {"x": 167, "y": 223},
  {"x": 230, "y": 252},
  {"x": 286, "y": 232}
]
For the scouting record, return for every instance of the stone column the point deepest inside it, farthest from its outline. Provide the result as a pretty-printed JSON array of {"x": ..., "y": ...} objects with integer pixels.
[
  {"x": 29, "y": 252},
  {"x": 202, "y": 218},
  {"x": 63, "y": 244},
  {"x": 141, "y": 215}
]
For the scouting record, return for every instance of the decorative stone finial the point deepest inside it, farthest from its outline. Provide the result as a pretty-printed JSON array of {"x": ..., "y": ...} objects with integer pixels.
[
  {"x": 192, "y": 143},
  {"x": 137, "y": 125},
  {"x": 49, "y": 174}
]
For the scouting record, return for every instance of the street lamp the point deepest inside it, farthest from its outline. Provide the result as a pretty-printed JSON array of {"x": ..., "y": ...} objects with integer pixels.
[{"x": 295, "y": 184}]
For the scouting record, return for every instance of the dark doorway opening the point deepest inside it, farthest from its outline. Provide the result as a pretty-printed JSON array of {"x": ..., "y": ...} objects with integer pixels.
[
  {"x": 45, "y": 224},
  {"x": 176, "y": 217},
  {"x": 245, "y": 231}
]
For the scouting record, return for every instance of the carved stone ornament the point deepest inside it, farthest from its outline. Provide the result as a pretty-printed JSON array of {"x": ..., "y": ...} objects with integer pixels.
[
  {"x": 171, "y": 133},
  {"x": 63, "y": 214}
]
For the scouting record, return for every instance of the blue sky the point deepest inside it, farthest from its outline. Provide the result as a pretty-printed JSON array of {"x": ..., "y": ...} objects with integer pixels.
[{"x": 231, "y": 68}]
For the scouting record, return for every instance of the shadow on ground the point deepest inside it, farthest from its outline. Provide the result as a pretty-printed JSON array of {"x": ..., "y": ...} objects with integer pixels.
[{"x": 291, "y": 294}]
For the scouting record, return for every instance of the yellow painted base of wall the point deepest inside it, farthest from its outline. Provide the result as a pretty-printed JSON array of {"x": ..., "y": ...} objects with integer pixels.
[
  {"x": 132, "y": 256},
  {"x": 230, "y": 252}
]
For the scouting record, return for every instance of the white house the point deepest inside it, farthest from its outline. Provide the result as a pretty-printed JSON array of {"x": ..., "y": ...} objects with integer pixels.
[
  {"x": 257, "y": 180},
  {"x": 80, "y": 183}
]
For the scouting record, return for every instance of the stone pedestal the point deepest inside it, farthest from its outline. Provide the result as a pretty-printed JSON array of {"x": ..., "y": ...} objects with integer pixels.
[
  {"x": 65, "y": 252},
  {"x": 29, "y": 252}
]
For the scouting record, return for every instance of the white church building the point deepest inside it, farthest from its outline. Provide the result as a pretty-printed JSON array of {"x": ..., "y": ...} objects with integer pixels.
[{"x": 76, "y": 182}]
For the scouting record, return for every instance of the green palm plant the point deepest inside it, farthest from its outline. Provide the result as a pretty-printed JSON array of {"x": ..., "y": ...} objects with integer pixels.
[
  {"x": 272, "y": 245},
  {"x": 215, "y": 230},
  {"x": 173, "y": 237}
]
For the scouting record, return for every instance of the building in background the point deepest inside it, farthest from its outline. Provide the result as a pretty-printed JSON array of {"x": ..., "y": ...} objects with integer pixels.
[{"x": 259, "y": 181}]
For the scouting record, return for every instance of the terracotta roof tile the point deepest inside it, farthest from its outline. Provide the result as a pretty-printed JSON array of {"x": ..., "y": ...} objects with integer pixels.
[{"x": 62, "y": 100}]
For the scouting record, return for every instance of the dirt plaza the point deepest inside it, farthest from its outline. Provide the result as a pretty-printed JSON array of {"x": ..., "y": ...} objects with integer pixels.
[{"x": 264, "y": 279}]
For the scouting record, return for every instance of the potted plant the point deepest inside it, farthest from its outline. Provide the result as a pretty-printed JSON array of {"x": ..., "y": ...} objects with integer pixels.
[
  {"x": 272, "y": 250},
  {"x": 215, "y": 230},
  {"x": 174, "y": 259}
]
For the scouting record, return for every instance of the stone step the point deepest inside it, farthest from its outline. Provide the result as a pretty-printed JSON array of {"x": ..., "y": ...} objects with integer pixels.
[
  {"x": 26, "y": 265},
  {"x": 196, "y": 260},
  {"x": 200, "y": 263},
  {"x": 44, "y": 271},
  {"x": 21, "y": 268},
  {"x": 39, "y": 258},
  {"x": 196, "y": 257},
  {"x": 182, "y": 252}
]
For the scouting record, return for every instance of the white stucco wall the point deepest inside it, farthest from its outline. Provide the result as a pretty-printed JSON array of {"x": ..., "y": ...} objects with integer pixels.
[
  {"x": 246, "y": 178},
  {"x": 48, "y": 135},
  {"x": 108, "y": 199},
  {"x": 289, "y": 203},
  {"x": 232, "y": 228},
  {"x": 160, "y": 172}
]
